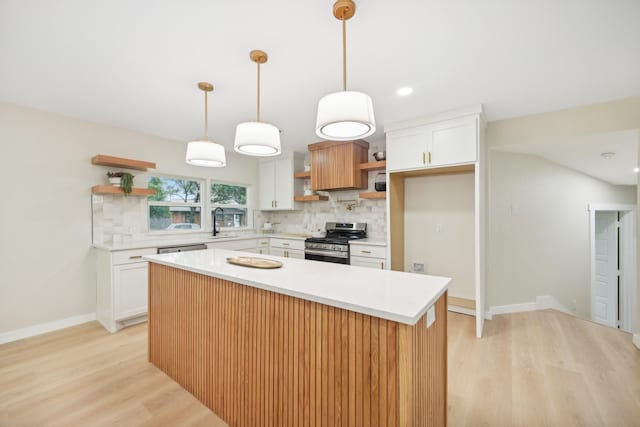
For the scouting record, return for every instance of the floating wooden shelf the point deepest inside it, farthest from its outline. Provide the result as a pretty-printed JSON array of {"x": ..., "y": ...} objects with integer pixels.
[
  {"x": 313, "y": 198},
  {"x": 113, "y": 190},
  {"x": 374, "y": 195},
  {"x": 373, "y": 166},
  {"x": 302, "y": 175},
  {"x": 120, "y": 162}
]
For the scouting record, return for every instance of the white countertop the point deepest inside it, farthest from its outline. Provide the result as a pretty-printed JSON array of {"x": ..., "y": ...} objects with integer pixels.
[
  {"x": 392, "y": 295},
  {"x": 162, "y": 241}
]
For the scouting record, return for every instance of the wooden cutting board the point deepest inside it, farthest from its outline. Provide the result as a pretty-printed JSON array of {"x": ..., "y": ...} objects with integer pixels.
[{"x": 254, "y": 262}]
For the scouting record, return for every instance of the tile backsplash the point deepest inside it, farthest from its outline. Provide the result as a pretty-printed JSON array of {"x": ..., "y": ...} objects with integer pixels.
[
  {"x": 117, "y": 218},
  {"x": 342, "y": 206}
]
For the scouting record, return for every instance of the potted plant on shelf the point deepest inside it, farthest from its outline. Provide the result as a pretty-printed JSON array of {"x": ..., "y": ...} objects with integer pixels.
[{"x": 122, "y": 179}]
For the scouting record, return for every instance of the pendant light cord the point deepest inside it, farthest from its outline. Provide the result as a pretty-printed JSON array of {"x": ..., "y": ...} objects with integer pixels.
[
  {"x": 344, "y": 54},
  {"x": 258, "y": 97},
  {"x": 206, "y": 115}
]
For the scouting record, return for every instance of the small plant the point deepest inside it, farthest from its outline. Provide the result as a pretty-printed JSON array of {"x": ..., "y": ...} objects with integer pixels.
[{"x": 126, "y": 180}]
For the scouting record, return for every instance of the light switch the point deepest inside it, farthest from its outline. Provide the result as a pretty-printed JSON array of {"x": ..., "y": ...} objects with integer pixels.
[{"x": 431, "y": 315}]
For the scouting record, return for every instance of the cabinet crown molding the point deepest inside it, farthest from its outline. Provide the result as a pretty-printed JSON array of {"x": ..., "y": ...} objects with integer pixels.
[{"x": 434, "y": 118}]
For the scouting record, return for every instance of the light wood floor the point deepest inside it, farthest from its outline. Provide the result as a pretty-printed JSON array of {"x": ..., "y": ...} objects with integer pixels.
[{"x": 531, "y": 369}]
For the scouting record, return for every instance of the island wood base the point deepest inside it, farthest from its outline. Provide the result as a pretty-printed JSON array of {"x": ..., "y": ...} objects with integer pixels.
[{"x": 259, "y": 358}]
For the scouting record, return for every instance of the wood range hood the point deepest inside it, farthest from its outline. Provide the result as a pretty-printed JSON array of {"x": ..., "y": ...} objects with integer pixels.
[{"x": 335, "y": 165}]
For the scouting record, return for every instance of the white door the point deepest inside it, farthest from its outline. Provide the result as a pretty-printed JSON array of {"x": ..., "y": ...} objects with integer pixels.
[
  {"x": 604, "y": 298},
  {"x": 453, "y": 142},
  {"x": 407, "y": 149},
  {"x": 284, "y": 183},
  {"x": 267, "y": 184},
  {"x": 131, "y": 289}
]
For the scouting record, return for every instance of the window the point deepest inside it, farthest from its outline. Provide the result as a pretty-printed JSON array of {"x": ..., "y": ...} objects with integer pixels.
[
  {"x": 232, "y": 199},
  {"x": 177, "y": 204}
]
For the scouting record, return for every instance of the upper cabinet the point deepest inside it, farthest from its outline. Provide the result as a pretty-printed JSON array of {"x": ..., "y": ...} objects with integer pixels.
[
  {"x": 277, "y": 184},
  {"x": 442, "y": 143},
  {"x": 336, "y": 165}
]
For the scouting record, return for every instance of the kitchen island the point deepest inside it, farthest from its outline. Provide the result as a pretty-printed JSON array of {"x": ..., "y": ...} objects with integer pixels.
[{"x": 310, "y": 343}]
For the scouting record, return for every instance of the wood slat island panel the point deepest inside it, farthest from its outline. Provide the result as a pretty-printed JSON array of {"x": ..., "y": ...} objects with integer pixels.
[{"x": 259, "y": 358}]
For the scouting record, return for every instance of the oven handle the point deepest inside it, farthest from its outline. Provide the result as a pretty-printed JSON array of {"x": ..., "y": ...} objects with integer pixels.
[{"x": 334, "y": 254}]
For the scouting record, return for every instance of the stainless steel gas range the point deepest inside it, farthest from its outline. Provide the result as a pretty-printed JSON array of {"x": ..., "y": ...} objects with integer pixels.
[{"x": 334, "y": 247}]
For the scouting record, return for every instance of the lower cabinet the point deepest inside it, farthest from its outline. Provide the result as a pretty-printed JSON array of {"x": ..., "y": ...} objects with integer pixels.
[
  {"x": 368, "y": 256},
  {"x": 121, "y": 287},
  {"x": 368, "y": 262},
  {"x": 288, "y": 248}
]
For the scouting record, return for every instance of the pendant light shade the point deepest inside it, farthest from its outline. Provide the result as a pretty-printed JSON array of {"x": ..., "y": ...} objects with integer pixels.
[
  {"x": 346, "y": 115},
  {"x": 257, "y": 138},
  {"x": 204, "y": 152}
]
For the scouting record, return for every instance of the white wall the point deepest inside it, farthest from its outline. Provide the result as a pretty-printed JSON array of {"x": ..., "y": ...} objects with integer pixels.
[
  {"x": 46, "y": 265},
  {"x": 539, "y": 230},
  {"x": 439, "y": 228}
]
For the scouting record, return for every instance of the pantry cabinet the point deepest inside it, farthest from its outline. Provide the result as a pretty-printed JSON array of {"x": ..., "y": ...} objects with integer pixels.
[
  {"x": 443, "y": 143},
  {"x": 277, "y": 184}
]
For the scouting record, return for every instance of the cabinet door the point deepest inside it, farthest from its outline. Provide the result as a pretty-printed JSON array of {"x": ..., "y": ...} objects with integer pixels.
[
  {"x": 277, "y": 251},
  {"x": 453, "y": 142},
  {"x": 407, "y": 149},
  {"x": 367, "y": 262},
  {"x": 284, "y": 183},
  {"x": 294, "y": 253},
  {"x": 130, "y": 289},
  {"x": 267, "y": 184}
]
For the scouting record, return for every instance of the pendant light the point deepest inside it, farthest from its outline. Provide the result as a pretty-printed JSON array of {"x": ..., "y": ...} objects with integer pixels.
[
  {"x": 257, "y": 138},
  {"x": 345, "y": 115},
  {"x": 205, "y": 152}
]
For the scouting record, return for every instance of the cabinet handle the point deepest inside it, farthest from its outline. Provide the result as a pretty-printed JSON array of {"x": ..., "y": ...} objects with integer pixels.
[
  {"x": 382, "y": 265},
  {"x": 286, "y": 254},
  {"x": 424, "y": 160},
  {"x": 276, "y": 203},
  {"x": 365, "y": 252},
  {"x": 429, "y": 157},
  {"x": 272, "y": 204},
  {"x": 135, "y": 257},
  {"x": 285, "y": 244}
]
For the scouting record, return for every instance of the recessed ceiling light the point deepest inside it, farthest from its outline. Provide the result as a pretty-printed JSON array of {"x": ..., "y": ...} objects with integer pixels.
[
  {"x": 636, "y": 169},
  {"x": 608, "y": 155},
  {"x": 404, "y": 91}
]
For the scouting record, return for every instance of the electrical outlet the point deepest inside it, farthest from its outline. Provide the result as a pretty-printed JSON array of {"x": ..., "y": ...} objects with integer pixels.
[{"x": 418, "y": 267}]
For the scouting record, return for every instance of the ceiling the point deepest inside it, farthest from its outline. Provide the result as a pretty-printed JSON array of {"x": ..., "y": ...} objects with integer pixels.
[
  {"x": 135, "y": 64},
  {"x": 584, "y": 154}
]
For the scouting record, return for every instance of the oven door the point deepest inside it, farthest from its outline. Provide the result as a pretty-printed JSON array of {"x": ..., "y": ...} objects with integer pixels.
[{"x": 327, "y": 256}]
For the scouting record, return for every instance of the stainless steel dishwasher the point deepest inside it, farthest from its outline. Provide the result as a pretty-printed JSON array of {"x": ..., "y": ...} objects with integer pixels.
[{"x": 181, "y": 248}]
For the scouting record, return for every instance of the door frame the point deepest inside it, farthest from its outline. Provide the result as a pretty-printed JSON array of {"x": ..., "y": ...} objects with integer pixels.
[{"x": 627, "y": 257}]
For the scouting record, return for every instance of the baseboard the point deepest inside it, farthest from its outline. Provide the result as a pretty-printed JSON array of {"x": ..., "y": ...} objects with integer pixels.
[
  {"x": 43, "y": 328},
  {"x": 461, "y": 310},
  {"x": 543, "y": 302},
  {"x": 636, "y": 340}
]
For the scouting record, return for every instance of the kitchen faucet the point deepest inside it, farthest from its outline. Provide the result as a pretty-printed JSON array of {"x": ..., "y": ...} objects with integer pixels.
[{"x": 215, "y": 232}]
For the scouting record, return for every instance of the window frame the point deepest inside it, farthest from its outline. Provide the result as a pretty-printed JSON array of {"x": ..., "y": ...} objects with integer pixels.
[
  {"x": 205, "y": 205},
  {"x": 201, "y": 204},
  {"x": 211, "y": 205}
]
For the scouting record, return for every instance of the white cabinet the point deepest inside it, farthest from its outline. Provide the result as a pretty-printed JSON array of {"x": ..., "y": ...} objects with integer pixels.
[
  {"x": 372, "y": 256},
  {"x": 444, "y": 143},
  {"x": 246, "y": 245},
  {"x": 367, "y": 262},
  {"x": 130, "y": 289},
  {"x": 288, "y": 248},
  {"x": 121, "y": 287},
  {"x": 277, "y": 184}
]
